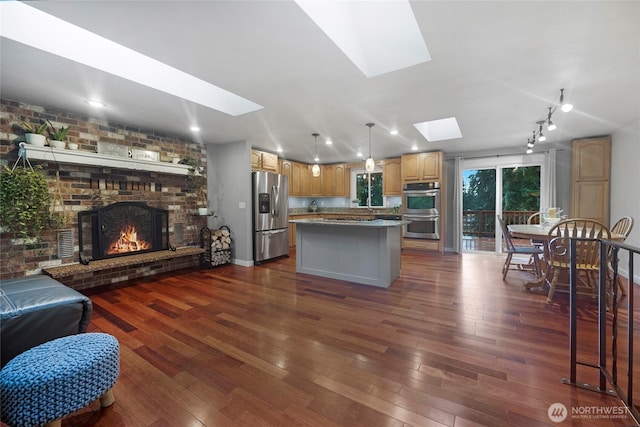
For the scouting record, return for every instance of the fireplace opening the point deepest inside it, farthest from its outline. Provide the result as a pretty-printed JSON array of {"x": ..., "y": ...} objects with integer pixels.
[{"x": 120, "y": 229}]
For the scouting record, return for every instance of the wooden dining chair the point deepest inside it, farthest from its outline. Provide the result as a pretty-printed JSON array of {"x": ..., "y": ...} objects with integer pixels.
[
  {"x": 535, "y": 218},
  {"x": 511, "y": 249},
  {"x": 622, "y": 227},
  {"x": 587, "y": 255}
]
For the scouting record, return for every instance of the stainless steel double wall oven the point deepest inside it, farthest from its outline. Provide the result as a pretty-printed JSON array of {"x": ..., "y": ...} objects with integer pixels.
[{"x": 421, "y": 206}]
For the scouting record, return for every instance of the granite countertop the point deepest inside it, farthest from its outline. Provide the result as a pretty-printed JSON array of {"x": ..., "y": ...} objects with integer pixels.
[
  {"x": 351, "y": 222},
  {"x": 342, "y": 211}
]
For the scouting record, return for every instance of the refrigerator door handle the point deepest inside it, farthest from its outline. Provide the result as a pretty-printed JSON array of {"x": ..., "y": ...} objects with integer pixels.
[{"x": 274, "y": 197}]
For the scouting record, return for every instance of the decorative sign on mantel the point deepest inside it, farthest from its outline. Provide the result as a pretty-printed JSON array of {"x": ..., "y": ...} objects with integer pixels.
[
  {"x": 113, "y": 149},
  {"x": 138, "y": 154}
]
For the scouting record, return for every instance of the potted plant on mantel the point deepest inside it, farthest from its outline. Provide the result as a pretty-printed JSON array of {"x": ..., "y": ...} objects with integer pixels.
[
  {"x": 35, "y": 134},
  {"x": 197, "y": 182},
  {"x": 57, "y": 135}
]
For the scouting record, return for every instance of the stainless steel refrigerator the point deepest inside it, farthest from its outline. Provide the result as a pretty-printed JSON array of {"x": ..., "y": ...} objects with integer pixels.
[{"x": 270, "y": 216}]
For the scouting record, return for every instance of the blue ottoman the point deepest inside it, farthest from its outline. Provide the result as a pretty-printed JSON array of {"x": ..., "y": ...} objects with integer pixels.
[{"x": 48, "y": 382}]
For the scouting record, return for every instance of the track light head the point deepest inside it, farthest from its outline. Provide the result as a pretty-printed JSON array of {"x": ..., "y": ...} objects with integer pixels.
[
  {"x": 550, "y": 125},
  {"x": 564, "y": 106}
]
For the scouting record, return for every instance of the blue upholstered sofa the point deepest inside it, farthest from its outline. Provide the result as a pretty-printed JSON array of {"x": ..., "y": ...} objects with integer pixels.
[{"x": 36, "y": 309}]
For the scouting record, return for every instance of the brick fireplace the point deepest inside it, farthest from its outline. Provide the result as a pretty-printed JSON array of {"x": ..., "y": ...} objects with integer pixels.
[
  {"x": 88, "y": 188},
  {"x": 122, "y": 229}
]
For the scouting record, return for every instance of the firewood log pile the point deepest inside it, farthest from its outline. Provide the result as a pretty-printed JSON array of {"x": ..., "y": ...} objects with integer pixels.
[{"x": 220, "y": 247}]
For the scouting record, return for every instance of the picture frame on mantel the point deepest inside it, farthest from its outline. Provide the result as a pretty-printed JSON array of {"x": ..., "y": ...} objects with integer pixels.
[{"x": 111, "y": 149}]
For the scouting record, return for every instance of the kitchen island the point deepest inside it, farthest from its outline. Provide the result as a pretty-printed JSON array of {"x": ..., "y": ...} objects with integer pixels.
[{"x": 361, "y": 251}]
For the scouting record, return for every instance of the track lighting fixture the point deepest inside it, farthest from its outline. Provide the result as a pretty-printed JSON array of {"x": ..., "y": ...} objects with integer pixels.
[
  {"x": 315, "y": 169},
  {"x": 541, "y": 136},
  {"x": 370, "y": 165},
  {"x": 550, "y": 125},
  {"x": 564, "y": 106}
]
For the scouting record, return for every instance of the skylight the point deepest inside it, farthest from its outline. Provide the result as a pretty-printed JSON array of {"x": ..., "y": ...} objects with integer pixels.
[
  {"x": 64, "y": 39},
  {"x": 439, "y": 130},
  {"x": 377, "y": 36}
]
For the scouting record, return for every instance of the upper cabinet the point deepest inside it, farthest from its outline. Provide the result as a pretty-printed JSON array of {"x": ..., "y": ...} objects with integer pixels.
[
  {"x": 263, "y": 161},
  {"x": 286, "y": 168},
  {"x": 335, "y": 180},
  {"x": 392, "y": 177},
  {"x": 300, "y": 184},
  {"x": 590, "y": 171},
  {"x": 421, "y": 167}
]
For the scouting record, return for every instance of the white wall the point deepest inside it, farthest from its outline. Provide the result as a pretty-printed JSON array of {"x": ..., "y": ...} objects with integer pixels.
[
  {"x": 625, "y": 185},
  {"x": 229, "y": 185}
]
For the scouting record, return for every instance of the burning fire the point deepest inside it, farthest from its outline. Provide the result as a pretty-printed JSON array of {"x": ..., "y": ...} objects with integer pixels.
[{"x": 128, "y": 242}]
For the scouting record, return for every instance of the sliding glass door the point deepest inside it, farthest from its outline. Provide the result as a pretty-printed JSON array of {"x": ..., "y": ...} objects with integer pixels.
[{"x": 507, "y": 186}]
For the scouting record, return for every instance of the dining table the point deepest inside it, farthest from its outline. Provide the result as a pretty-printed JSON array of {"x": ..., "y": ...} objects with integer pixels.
[{"x": 540, "y": 233}]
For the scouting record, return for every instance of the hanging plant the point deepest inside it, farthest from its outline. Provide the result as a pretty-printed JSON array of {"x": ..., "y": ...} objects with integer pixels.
[
  {"x": 24, "y": 201},
  {"x": 58, "y": 217}
]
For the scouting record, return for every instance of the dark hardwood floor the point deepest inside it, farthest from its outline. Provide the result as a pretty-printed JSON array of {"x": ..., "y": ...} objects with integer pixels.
[{"x": 448, "y": 344}]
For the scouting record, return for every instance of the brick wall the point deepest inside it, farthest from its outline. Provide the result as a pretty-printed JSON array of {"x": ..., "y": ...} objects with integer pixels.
[{"x": 87, "y": 187}]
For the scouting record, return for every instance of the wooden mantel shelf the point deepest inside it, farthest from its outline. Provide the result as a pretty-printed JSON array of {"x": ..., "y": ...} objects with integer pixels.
[{"x": 86, "y": 158}]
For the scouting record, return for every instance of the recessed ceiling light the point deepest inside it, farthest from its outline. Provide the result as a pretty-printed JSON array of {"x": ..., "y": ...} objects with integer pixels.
[
  {"x": 279, "y": 149},
  {"x": 377, "y": 36},
  {"x": 414, "y": 147},
  {"x": 69, "y": 41},
  {"x": 439, "y": 130},
  {"x": 96, "y": 103},
  {"x": 393, "y": 132},
  {"x": 194, "y": 129},
  {"x": 328, "y": 142},
  {"x": 359, "y": 154}
]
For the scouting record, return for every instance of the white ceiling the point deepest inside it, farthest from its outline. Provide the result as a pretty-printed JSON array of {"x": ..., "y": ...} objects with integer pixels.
[{"x": 496, "y": 67}]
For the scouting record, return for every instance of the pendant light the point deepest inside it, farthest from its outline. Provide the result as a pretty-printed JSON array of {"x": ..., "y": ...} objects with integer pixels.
[
  {"x": 315, "y": 169},
  {"x": 370, "y": 165}
]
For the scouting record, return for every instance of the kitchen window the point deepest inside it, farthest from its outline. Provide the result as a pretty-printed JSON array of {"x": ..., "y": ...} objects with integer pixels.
[{"x": 367, "y": 187}]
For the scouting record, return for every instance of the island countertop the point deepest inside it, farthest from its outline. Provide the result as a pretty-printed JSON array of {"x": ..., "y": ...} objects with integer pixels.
[
  {"x": 351, "y": 222},
  {"x": 334, "y": 248}
]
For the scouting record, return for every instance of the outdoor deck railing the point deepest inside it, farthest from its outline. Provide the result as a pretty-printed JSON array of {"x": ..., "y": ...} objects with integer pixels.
[{"x": 482, "y": 223}]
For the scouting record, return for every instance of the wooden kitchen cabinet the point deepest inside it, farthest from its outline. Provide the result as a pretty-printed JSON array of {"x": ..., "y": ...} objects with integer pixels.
[
  {"x": 301, "y": 179},
  {"x": 421, "y": 166},
  {"x": 332, "y": 182},
  {"x": 335, "y": 180},
  {"x": 316, "y": 182},
  {"x": 286, "y": 168},
  {"x": 328, "y": 179},
  {"x": 342, "y": 180},
  {"x": 590, "y": 178},
  {"x": 392, "y": 177},
  {"x": 292, "y": 235},
  {"x": 263, "y": 161}
]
